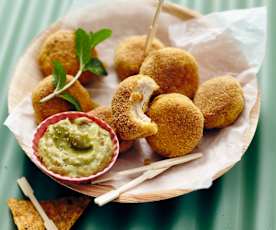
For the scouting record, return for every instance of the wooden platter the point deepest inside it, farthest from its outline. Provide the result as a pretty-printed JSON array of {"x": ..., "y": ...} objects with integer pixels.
[{"x": 22, "y": 84}]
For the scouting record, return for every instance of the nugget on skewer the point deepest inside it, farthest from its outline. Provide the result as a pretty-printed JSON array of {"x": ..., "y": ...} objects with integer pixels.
[
  {"x": 173, "y": 69},
  {"x": 60, "y": 46},
  {"x": 57, "y": 105},
  {"x": 221, "y": 101},
  {"x": 129, "y": 55},
  {"x": 129, "y": 103},
  {"x": 180, "y": 125},
  {"x": 105, "y": 114}
]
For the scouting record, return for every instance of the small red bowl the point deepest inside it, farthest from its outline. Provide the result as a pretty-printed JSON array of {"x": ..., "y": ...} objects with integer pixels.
[{"x": 41, "y": 129}]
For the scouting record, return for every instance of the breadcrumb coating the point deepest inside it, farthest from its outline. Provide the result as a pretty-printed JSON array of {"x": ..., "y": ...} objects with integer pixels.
[
  {"x": 105, "y": 114},
  {"x": 129, "y": 55},
  {"x": 180, "y": 125},
  {"x": 60, "y": 46},
  {"x": 129, "y": 103},
  {"x": 174, "y": 70},
  {"x": 57, "y": 105},
  {"x": 220, "y": 100}
]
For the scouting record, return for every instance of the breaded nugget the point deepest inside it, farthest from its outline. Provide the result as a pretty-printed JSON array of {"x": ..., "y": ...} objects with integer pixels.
[
  {"x": 105, "y": 114},
  {"x": 220, "y": 100},
  {"x": 129, "y": 55},
  {"x": 57, "y": 105},
  {"x": 180, "y": 125},
  {"x": 60, "y": 46},
  {"x": 129, "y": 103},
  {"x": 174, "y": 70}
]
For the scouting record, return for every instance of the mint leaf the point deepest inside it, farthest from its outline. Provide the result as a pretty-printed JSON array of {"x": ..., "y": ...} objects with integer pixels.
[
  {"x": 83, "y": 49},
  {"x": 72, "y": 100},
  {"x": 99, "y": 36},
  {"x": 59, "y": 75},
  {"x": 95, "y": 66}
]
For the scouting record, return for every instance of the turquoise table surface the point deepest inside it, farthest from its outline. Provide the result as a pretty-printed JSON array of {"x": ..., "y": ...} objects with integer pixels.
[{"x": 243, "y": 199}]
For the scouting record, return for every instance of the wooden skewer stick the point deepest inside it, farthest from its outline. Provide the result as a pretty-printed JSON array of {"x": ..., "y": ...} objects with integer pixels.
[
  {"x": 153, "y": 27},
  {"x": 156, "y": 165},
  {"x": 112, "y": 195},
  {"x": 28, "y": 192}
]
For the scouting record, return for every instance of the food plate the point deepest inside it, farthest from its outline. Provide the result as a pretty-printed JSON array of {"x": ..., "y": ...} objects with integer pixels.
[{"x": 27, "y": 75}]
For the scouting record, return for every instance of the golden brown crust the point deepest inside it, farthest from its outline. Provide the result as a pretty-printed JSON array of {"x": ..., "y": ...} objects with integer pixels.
[
  {"x": 105, "y": 114},
  {"x": 180, "y": 125},
  {"x": 25, "y": 216},
  {"x": 57, "y": 105},
  {"x": 127, "y": 124},
  {"x": 129, "y": 55},
  {"x": 174, "y": 70},
  {"x": 60, "y": 46},
  {"x": 221, "y": 101},
  {"x": 64, "y": 212}
]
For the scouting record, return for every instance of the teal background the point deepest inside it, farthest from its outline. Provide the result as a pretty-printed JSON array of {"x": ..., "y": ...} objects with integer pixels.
[{"x": 243, "y": 199}]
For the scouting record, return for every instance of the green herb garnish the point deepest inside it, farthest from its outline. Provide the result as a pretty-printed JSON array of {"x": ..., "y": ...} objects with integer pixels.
[
  {"x": 99, "y": 36},
  {"x": 85, "y": 42},
  {"x": 95, "y": 66},
  {"x": 72, "y": 100},
  {"x": 59, "y": 75},
  {"x": 83, "y": 48},
  {"x": 59, "y": 81}
]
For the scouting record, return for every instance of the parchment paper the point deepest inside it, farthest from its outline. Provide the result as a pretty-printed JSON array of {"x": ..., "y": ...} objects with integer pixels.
[{"x": 230, "y": 42}]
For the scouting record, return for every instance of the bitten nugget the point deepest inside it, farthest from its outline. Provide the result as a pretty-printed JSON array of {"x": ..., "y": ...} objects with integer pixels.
[
  {"x": 60, "y": 46},
  {"x": 129, "y": 103},
  {"x": 180, "y": 125},
  {"x": 174, "y": 70},
  {"x": 129, "y": 55},
  {"x": 221, "y": 101},
  {"x": 57, "y": 105}
]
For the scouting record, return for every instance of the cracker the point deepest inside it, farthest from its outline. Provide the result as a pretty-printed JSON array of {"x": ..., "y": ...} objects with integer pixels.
[{"x": 64, "y": 212}]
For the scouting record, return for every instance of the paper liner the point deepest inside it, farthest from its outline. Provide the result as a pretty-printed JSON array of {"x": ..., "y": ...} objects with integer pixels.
[{"x": 240, "y": 55}]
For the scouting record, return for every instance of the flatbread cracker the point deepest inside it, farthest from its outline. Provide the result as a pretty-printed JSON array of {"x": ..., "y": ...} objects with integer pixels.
[{"x": 64, "y": 212}]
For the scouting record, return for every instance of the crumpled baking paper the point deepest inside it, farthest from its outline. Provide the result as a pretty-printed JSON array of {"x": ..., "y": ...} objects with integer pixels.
[{"x": 231, "y": 42}]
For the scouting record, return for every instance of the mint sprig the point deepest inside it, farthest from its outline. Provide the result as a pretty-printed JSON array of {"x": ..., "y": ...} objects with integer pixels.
[
  {"x": 96, "y": 67},
  {"x": 83, "y": 49},
  {"x": 72, "y": 100},
  {"x": 85, "y": 42},
  {"x": 59, "y": 81},
  {"x": 99, "y": 36},
  {"x": 59, "y": 75}
]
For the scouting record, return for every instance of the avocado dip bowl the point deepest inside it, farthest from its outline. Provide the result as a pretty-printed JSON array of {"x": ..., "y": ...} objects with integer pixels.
[{"x": 74, "y": 147}]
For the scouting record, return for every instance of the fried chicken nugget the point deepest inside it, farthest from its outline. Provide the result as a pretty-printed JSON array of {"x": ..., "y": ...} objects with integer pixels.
[
  {"x": 220, "y": 100},
  {"x": 129, "y": 103},
  {"x": 180, "y": 125},
  {"x": 60, "y": 46},
  {"x": 129, "y": 55},
  {"x": 105, "y": 114},
  {"x": 57, "y": 105},
  {"x": 174, "y": 70}
]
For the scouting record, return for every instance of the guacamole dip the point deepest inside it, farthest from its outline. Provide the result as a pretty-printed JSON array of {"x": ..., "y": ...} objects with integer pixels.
[{"x": 75, "y": 148}]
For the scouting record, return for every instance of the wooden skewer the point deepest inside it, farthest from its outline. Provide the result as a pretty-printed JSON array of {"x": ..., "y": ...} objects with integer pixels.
[
  {"x": 149, "y": 174},
  {"x": 156, "y": 165},
  {"x": 28, "y": 192},
  {"x": 112, "y": 195},
  {"x": 153, "y": 27}
]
